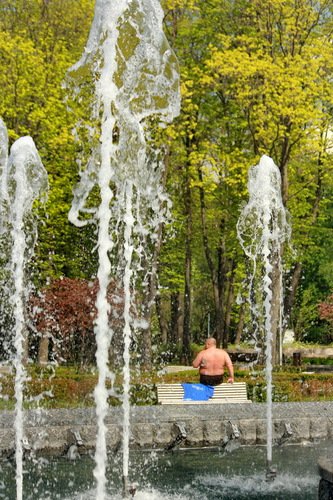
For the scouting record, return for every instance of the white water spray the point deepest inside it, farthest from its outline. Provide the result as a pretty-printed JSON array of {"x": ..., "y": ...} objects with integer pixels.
[
  {"x": 23, "y": 180},
  {"x": 134, "y": 75},
  {"x": 262, "y": 229}
]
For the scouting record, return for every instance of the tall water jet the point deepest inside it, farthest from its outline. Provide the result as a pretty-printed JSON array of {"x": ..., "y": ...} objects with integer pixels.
[
  {"x": 262, "y": 229},
  {"x": 23, "y": 180},
  {"x": 128, "y": 77}
]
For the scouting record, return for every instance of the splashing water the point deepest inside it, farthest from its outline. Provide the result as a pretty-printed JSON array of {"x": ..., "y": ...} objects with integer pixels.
[
  {"x": 262, "y": 229},
  {"x": 185, "y": 475},
  {"x": 3, "y": 157},
  {"x": 134, "y": 74},
  {"x": 23, "y": 180}
]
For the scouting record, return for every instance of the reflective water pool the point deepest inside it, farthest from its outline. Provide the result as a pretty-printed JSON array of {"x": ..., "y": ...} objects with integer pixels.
[{"x": 179, "y": 475}]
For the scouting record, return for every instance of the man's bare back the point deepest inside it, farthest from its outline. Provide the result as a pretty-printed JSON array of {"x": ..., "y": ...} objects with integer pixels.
[{"x": 212, "y": 361}]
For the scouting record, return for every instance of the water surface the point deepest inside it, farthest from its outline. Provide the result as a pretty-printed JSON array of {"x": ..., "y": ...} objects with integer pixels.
[{"x": 203, "y": 474}]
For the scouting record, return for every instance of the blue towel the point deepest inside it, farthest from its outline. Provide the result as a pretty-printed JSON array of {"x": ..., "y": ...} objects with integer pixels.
[{"x": 197, "y": 392}]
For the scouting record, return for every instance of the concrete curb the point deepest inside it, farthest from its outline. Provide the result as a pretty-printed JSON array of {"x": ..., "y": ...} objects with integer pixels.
[{"x": 53, "y": 432}]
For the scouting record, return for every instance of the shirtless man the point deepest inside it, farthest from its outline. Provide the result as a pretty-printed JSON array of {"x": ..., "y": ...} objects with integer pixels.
[{"x": 211, "y": 362}]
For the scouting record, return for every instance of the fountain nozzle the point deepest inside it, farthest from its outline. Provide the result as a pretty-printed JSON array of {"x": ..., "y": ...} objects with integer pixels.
[
  {"x": 235, "y": 434},
  {"x": 270, "y": 473},
  {"x": 180, "y": 437},
  {"x": 78, "y": 438},
  {"x": 288, "y": 432}
]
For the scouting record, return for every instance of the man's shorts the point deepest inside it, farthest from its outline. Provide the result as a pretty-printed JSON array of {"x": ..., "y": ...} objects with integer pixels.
[{"x": 211, "y": 379}]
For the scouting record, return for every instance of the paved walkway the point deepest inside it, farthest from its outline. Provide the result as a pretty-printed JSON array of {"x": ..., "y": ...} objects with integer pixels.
[{"x": 177, "y": 368}]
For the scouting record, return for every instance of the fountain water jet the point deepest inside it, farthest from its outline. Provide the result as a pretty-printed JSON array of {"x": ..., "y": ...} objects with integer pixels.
[
  {"x": 262, "y": 230},
  {"x": 134, "y": 74},
  {"x": 23, "y": 180}
]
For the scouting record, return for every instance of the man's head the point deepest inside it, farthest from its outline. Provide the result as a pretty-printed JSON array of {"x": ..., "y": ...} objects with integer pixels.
[{"x": 210, "y": 342}]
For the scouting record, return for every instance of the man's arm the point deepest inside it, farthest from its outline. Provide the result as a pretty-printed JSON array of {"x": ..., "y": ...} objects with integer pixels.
[
  {"x": 197, "y": 360},
  {"x": 230, "y": 368}
]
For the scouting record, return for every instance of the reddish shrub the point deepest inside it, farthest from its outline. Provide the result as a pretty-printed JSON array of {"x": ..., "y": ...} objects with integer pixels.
[{"x": 63, "y": 317}]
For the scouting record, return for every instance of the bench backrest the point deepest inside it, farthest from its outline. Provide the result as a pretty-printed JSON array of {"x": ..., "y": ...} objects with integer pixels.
[{"x": 224, "y": 393}]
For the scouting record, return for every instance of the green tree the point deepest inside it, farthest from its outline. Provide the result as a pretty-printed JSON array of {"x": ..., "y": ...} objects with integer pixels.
[
  {"x": 207, "y": 175},
  {"x": 39, "y": 41},
  {"x": 256, "y": 79}
]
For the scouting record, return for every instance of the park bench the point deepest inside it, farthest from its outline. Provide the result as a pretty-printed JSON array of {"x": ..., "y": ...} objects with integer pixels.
[{"x": 224, "y": 393}]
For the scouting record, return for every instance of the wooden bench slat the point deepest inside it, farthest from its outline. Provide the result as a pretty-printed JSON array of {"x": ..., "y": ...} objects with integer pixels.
[{"x": 224, "y": 393}]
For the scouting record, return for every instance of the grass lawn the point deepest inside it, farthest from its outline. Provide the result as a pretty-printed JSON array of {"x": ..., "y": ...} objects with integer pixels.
[{"x": 73, "y": 387}]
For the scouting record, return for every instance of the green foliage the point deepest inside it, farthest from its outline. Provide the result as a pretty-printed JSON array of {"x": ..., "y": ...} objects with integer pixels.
[
  {"x": 73, "y": 386},
  {"x": 195, "y": 349},
  {"x": 143, "y": 394},
  {"x": 255, "y": 78},
  {"x": 167, "y": 353},
  {"x": 39, "y": 41},
  {"x": 320, "y": 361}
]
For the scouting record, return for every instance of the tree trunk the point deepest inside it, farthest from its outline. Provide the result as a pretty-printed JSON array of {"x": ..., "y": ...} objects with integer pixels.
[
  {"x": 43, "y": 350},
  {"x": 297, "y": 271},
  {"x": 228, "y": 307},
  {"x": 221, "y": 277},
  {"x": 188, "y": 269},
  {"x": 149, "y": 301},
  {"x": 180, "y": 322},
  {"x": 219, "y": 320},
  {"x": 25, "y": 346},
  {"x": 150, "y": 294},
  {"x": 218, "y": 274},
  {"x": 176, "y": 317},
  {"x": 276, "y": 312},
  {"x": 240, "y": 326},
  {"x": 162, "y": 319},
  {"x": 290, "y": 297}
]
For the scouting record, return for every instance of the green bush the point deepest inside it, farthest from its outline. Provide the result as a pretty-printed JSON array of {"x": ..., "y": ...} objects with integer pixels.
[{"x": 318, "y": 361}]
